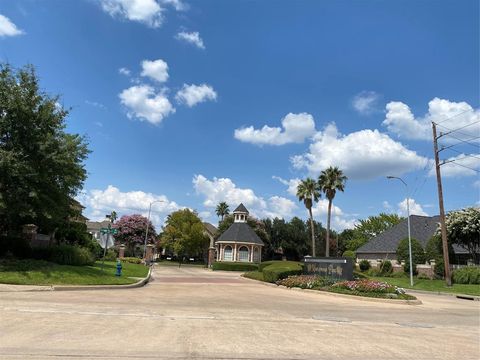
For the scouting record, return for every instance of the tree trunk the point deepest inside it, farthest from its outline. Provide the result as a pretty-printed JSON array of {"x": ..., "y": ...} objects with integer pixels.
[
  {"x": 313, "y": 232},
  {"x": 327, "y": 240}
]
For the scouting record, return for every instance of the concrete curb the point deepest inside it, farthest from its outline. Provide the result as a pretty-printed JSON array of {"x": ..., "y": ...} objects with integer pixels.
[
  {"x": 441, "y": 293},
  {"x": 344, "y": 296},
  {"x": 29, "y": 288}
]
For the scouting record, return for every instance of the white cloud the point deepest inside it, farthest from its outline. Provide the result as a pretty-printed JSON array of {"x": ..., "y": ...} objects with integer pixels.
[
  {"x": 8, "y": 28},
  {"x": 124, "y": 71},
  {"x": 401, "y": 121},
  {"x": 177, "y": 4},
  {"x": 363, "y": 154},
  {"x": 415, "y": 209},
  {"x": 296, "y": 128},
  {"x": 191, "y": 95},
  {"x": 192, "y": 38},
  {"x": 292, "y": 184},
  {"x": 143, "y": 103},
  {"x": 101, "y": 202},
  {"x": 148, "y": 12},
  {"x": 95, "y": 104},
  {"x": 320, "y": 209},
  {"x": 459, "y": 166},
  {"x": 365, "y": 102},
  {"x": 156, "y": 70},
  {"x": 280, "y": 207}
]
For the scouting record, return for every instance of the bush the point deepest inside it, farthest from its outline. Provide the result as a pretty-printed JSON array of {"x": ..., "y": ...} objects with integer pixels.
[
  {"x": 364, "y": 265},
  {"x": 418, "y": 254},
  {"x": 234, "y": 266},
  {"x": 305, "y": 282},
  {"x": 273, "y": 274},
  {"x": 406, "y": 268},
  {"x": 398, "y": 274},
  {"x": 439, "y": 268},
  {"x": 111, "y": 255},
  {"x": 466, "y": 275},
  {"x": 386, "y": 267},
  {"x": 366, "y": 286},
  {"x": 17, "y": 246},
  {"x": 64, "y": 255},
  {"x": 373, "y": 273},
  {"x": 255, "y": 275},
  {"x": 350, "y": 254},
  {"x": 132, "y": 260}
]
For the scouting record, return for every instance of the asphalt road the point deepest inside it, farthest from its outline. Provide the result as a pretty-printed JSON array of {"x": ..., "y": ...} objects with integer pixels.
[{"x": 192, "y": 313}]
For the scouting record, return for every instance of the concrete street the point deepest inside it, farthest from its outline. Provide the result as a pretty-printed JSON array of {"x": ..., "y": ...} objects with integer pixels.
[{"x": 195, "y": 313}]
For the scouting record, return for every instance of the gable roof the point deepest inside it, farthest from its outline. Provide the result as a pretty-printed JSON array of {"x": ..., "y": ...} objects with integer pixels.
[
  {"x": 212, "y": 230},
  {"x": 241, "y": 208},
  {"x": 422, "y": 229},
  {"x": 240, "y": 233}
]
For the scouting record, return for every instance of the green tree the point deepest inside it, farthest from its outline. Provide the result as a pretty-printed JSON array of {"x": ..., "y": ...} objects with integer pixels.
[
  {"x": 463, "y": 228},
  {"x": 418, "y": 254},
  {"x": 183, "y": 233},
  {"x": 41, "y": 166},
  {"x": 329, "y": 181},
  {"x": 222, "y": 210},
  {"x": 308, "y": 192},
  {"x": 113, "y": 216},
  {"x": 371, "y": 227}
]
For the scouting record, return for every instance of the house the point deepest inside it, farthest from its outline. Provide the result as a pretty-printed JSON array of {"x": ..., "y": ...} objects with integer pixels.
[
  {"x": 384, "y": 246},
  {"x": 211, "y": 232},
  {"x": 94, "y": 227},
  {"x": 239, "y": 242}
]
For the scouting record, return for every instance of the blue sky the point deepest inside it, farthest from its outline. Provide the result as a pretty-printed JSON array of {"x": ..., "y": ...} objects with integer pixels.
[{"x": 193, "y": 103}]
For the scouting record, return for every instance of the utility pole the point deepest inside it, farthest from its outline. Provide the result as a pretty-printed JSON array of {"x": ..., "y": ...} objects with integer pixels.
[{"x": 448, "y": 277}]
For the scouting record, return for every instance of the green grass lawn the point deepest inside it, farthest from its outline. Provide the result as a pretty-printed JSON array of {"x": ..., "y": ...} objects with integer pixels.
[
  {"x": 39, "y": 272},
  {"x": 431, "y": 285}
]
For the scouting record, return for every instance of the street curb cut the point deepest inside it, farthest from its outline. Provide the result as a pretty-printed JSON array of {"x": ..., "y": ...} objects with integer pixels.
[
  {"x": 344, "y": 296},
  {"x": 138, "y": 284}
]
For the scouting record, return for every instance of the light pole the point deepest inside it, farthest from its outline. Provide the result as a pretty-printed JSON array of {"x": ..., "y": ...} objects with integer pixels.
[
  {"x": 148, "y": 223},
  {"x": 408, "y": 222}
]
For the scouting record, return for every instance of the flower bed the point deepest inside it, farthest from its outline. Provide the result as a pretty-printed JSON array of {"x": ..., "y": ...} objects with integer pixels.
[{"x": 364, "y": 287}]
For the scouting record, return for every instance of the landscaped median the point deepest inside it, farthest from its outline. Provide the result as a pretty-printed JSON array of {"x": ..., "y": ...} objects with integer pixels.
[
  {"x": 288, "y": 274},
  {"x": 39, "y": 272}
]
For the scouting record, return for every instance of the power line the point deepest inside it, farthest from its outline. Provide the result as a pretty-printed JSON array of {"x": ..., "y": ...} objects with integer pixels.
[
  {"x": 460, "y": 128},
  {"x": 454, "y": 116},
  {"x": 455, "y": 163},
  {"x": 465, "y": 141},
  {"x": 465, "y": 155}
]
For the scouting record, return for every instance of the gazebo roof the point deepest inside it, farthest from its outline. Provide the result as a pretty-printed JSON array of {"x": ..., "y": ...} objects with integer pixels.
[
  {"x": 241, "y": 208},
  {"x": 240, "y": 233}
]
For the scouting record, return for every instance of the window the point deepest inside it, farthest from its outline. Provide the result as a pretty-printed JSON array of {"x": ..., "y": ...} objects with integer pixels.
[
  {"x": 256, "y": 255},
  {"x": 243, "y": 254},
  {"x": 227, "y": 253}
]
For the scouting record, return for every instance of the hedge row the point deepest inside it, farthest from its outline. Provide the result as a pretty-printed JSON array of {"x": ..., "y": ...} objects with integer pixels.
[
  {"x": 64, "y": 255},
  {"x": 467, "y": 275},
  {"x": 234, "y": 266}
]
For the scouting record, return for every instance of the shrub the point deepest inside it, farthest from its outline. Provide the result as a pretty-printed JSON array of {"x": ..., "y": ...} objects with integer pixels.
[
  {"x": 111, "y": 255},
  {"x": 406, "y": 267},
  {"x": 367, "y": 286},
  {"x": 350, "y": 254},
  {"x": 386, "y": 267},
  {"x": 418, "y": 254},
  {"x": 64, "y": 254},
  {"x": 373, "y": 272},
  {"x": 255, "y": 275},
  {"x": 439, "y": 268},
  {"x": 273, "y": 274},
  {"x": 234, "y": 266},
  {"x": 467, "y": 275},
  {"x": 132, "y": 260},
  {"x": 305, "y": 282},
  {"x": 364, "y": 265},
  {"x": 398, "y": 274}
]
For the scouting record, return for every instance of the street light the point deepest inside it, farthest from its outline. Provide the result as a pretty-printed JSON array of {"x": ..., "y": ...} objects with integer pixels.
[
  {"x": 408, "y": 222},
  {"x": 148, "y": 223}
]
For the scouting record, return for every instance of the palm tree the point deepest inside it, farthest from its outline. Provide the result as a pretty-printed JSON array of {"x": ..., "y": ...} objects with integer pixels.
[
  {"x": 308, "y": 192},
  {"x": 113, "y": 216},
  {"x": 331, "y": 180},
  {"x": 222, "y": 210}
]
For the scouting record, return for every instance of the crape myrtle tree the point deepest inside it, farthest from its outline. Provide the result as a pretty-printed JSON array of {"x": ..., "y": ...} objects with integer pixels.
[
  {"x": 131, "y": 231},
  {"x": 41, "y": 165},
  {"x": 184, "y": 234},
  {"x": 463, "y": 228}
]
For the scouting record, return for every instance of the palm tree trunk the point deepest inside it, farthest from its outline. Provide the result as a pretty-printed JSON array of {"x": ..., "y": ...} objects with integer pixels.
[
  {"x": 313, "y": 231},
  {"x": 327, "y": 241}
]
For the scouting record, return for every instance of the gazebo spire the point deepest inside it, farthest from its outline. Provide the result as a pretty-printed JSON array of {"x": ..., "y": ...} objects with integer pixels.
[{"x": 240, "y": 214}]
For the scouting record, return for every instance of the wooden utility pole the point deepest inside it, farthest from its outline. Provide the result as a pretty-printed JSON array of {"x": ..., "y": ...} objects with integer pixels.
[{"x": 448, "y": 277}]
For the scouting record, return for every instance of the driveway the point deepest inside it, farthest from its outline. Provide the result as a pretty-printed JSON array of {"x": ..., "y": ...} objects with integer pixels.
[{"x": 191, "y": 312}]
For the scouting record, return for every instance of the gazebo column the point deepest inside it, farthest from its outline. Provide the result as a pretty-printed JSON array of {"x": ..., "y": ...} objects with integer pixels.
[
  {"x": 251, "y": 253},
  {"x": 235, "y": 256}
]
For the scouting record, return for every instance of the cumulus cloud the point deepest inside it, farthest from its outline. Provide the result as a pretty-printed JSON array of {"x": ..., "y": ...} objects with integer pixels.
[
  {"x": 192, "y": 95},
  {"x": 415, "y": 208},
  {"x": 459, "y": 166},
  {"x": 124, "y": 71},
  {"x": 224, "y": 189},
  {"x": 143, "y": 103},
  {"x": 101, "y": 202},
  {"x": 148, "y": 12},
  {"x": 292, "y": 184},
  {"x": 296, "y": 128},
  {"x": 156, "y": 70},
  {"x": 191, "y": 38},
  {"x": 365, "y": 102},
  {"x": 401, "y": 121},
  {"x": 363, "y": 154},
  {"x": 8, "y": 28}
]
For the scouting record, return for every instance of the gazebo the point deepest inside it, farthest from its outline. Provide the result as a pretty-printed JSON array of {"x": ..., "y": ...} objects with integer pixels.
[{"x": 239, "y": 242}]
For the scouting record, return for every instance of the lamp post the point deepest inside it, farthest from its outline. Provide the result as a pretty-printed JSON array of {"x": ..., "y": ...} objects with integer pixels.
[
  {"x": 408, "y": 222},
  {"x": 148, "y": 223}
]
